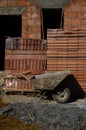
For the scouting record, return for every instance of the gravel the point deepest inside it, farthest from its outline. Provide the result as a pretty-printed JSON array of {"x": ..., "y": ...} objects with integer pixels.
[{"x": 48, "y": 115}]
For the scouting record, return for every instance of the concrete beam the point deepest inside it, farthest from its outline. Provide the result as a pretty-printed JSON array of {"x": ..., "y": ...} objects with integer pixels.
[
  {"x": 12, "y": 10},
  {"x": 52, "y": 3}
]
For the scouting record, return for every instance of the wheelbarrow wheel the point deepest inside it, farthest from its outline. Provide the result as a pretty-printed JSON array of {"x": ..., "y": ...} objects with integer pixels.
[{"x": 62, "y": 96}]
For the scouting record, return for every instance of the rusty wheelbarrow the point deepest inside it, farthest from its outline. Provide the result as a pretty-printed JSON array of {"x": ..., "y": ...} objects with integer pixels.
[{"x": 48, "y": 84}]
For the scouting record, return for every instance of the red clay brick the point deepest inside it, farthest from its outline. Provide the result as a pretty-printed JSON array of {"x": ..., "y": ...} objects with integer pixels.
[
  {"x": 72, "y": 14},
  {"x": 34, "y": 28},
  {"x": 77, "y": 1},
  {"x": 82, "y": 15},
  {"x": 32, "y": 35},
  {"x": 72, "y": 21},
  {"x": 74, "y": 7}
]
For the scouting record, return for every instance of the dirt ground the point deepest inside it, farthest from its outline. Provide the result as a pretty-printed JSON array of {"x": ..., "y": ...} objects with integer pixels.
[
  {"x": 10, "y": 123},
  {"x": 47, "y": 115},
  {"x": 18, "y": 98},
  {"x": 21, "y": 112}
]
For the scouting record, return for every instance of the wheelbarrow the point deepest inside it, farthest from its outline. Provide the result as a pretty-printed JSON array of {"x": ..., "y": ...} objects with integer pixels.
[{"x": 49, "y": 82}]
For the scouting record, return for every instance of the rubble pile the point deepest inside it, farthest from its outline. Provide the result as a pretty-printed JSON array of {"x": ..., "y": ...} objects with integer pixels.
[
  {"x": 25, "y": 114},
  {"x": 48, "y": 115}
]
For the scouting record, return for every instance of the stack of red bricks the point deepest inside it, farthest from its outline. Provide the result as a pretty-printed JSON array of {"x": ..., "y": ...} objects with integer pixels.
[
  {"x": 61, "y": 45},
  {"x": 31, "y": 26},
  {"x": 67, "y": 51},
  {"x": 24, "y": 57}
]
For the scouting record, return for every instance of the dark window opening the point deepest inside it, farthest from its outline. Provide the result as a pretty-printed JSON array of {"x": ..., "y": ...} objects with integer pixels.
[
  {"x": 10, "y": 25},
  {"x": 52, "y": 19}
]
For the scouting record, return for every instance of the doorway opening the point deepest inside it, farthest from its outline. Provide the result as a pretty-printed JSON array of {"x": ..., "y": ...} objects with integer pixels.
[
  {"x": 52, "y": 19},
  {"x": 10, "y": 26}
]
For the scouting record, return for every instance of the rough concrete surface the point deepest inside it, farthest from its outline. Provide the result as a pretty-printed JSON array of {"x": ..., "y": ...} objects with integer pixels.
[
  {"x": 48, "y": 115},
  {"x": 52, "y": 3}
]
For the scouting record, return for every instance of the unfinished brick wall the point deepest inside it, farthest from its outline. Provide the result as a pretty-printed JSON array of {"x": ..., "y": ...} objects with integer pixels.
[
  {"x": 5, "y": 3},
  {"x": 31, "y": 17},
  {"x": 75, "y": 15},
  {"x": 31, "y": 23},
  {"x": 77, "y": 1}
]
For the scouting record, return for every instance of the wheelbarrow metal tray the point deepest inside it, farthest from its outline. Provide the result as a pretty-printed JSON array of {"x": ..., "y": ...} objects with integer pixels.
[{"x": 49, "y": 81}]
